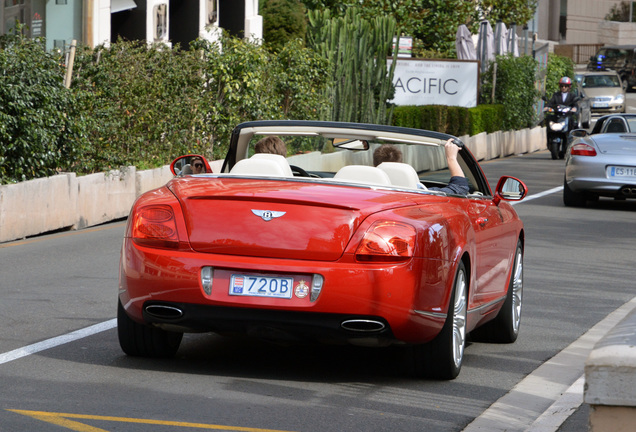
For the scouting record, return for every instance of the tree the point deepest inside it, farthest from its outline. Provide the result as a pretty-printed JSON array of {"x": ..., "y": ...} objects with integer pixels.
[
  {"x": 508, "y": 11},
  {"x": 620, "y": 12},
  {"x": 433, "y": 23},
  {"x": 283, "y": 20}
]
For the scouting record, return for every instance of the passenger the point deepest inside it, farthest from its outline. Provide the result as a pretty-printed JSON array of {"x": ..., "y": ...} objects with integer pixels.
[
  {"x": 197, "y": 165},
  {"x": 458, "y": 184},
  {"x": 271, "y": 144},
  {"x": 386, "y": 153}
]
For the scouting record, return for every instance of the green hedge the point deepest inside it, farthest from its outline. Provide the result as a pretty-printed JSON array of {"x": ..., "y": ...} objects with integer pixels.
[
  {"x": 40, "y": 126},
  {"x": 134, "y": 104},
  {"x": 457, "y": 121}
]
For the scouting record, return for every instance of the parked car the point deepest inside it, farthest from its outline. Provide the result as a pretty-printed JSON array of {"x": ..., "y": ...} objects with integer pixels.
[
  {"x": 621, "y": 59},
  {"x": 328, "y": 248},
  {"x": 584, "y": 106},
  {"x": 605, "y": 90},
  {"x": 615, "y": 123},
  {"x": 601, "y": 163}
]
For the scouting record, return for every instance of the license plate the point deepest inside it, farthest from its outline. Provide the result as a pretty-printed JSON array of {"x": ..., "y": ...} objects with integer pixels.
[
  {"x": 261, "y": 286},
  {"x": 615, "y": 171},
  {"x": 600, "y": 105}
]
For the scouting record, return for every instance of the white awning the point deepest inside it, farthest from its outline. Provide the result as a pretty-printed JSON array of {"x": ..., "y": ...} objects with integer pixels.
[{"x": 121, "y": 5}]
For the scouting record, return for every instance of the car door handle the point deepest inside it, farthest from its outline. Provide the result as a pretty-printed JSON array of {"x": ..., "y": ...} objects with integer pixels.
[{"x": 482, "y": 221}]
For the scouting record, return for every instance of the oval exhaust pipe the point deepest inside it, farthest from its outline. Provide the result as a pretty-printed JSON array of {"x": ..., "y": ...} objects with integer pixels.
[
  {"x": 164, "y": 311},
  {"x": 628, "y": 191},
  {"x": 363, "y": 325}
]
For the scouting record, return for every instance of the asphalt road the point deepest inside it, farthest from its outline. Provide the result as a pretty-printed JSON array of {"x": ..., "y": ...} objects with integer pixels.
[{"x": 578, "y": 270}]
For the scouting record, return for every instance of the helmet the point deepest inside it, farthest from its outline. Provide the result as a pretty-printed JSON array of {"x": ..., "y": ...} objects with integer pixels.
[{"x": 565, "y": 81}]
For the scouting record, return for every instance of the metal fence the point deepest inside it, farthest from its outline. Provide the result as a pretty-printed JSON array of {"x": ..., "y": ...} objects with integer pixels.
[{"x": 579, "y": 53}]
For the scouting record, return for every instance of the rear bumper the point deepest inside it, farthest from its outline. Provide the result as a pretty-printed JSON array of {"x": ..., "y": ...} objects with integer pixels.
[
  {"x": 585, "y": 176},
  {"x": 276, "y": 325},
  {"x": 404, "y": 302}
]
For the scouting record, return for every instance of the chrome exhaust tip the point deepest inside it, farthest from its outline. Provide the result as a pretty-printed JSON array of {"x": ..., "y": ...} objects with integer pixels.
[
  {"x": 363, "y": 325},
  {"x": 163, "y": 311},
  {"x": 629, "y": 191}
]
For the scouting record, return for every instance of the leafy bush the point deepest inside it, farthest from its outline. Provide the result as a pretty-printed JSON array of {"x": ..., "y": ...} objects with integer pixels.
[
  {"x": 558, "y": 67},
  {"x": 144, "y": 104},
  {"x": 148, "y": 105},
  {"x": 514, "y": 88},
  {"x": 39, "y": 128}
]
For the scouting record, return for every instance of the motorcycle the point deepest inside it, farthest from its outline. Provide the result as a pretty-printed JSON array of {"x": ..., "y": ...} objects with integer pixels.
[{"x": 559, "y": 122}]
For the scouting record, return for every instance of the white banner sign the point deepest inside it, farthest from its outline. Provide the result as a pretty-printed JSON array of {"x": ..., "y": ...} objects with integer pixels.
[{"x": 436, "y": 82}]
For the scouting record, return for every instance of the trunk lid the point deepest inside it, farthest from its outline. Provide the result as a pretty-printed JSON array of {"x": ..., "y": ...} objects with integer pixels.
[
  {"x": 616, "y": 144},
  {"x": 277, "y": 218}
]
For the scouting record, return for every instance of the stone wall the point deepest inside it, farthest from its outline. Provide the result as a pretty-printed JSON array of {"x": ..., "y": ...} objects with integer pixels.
[{"x": 66, "y": 201}]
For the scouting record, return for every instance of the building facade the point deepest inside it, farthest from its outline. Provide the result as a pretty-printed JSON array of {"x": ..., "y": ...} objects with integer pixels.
[
  {"x": 573, "y": 21},
  {"x": 96, "y": 22}
]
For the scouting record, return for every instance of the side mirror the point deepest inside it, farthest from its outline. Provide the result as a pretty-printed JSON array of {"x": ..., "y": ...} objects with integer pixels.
[
  {"x": 510, "y": 189},
  {"x": 183, "y": 165},
  {"x": 579, "y": 133}
]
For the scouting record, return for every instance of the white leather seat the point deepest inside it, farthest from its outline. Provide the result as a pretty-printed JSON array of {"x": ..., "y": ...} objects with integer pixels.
[
  {"x": 279, "y": 159},
  {"x": 264, "y": 167},
  {"x": 187, "y": 169},
  {"x": 363, "y": 174},
  {"x": 402, "y": 175}
]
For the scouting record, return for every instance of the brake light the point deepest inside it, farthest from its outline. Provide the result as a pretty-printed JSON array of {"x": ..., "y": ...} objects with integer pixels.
[
  {"x": 387, "y": 241},
  {"x": 582, "y": 150},
  {"x": 155, "y": 226}
]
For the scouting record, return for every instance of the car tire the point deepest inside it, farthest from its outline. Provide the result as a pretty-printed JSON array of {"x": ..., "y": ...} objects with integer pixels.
[
  {"x": 572, "y": 198},
  {"x": 139, "y": 340},
  {"x": 442, "y": 357},
  {"x": 505, "y": 327}
]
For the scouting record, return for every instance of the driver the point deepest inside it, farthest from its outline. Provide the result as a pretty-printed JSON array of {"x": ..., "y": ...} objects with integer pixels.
[{"x": 564, "y": 96}]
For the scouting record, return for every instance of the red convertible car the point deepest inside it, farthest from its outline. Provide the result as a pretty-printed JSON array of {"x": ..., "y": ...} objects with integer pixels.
[{"x": 322, "y": 245}]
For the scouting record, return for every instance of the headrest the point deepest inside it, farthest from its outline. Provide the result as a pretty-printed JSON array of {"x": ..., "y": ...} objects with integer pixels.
[
  {"x": 401, "y": 174},
  {"x": 363, "y": 174},
  {"x": 259, "y": 167},
  {"x": 279, "y": 159}
]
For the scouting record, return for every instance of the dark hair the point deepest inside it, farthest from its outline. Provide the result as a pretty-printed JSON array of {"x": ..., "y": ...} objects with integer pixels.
[
  {"x": 271, "y": 144},
  {"x": 199, "y": 159},
  {"x": 386, "y": 153}
]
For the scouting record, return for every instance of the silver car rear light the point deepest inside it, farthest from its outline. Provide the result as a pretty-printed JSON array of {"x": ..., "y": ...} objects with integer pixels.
[
  {"x": 316, "y": 287},
  {"x": 207, "y": 275}
]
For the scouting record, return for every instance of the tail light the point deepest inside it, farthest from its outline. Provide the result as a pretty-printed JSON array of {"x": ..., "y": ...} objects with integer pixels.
[
  {"x": 387, "y": 241},
  {"x": 582, "y": 150},
  {"x": 155, "y": 226}
]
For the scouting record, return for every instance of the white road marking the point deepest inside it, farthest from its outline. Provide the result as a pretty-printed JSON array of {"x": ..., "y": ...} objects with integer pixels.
[
  {"x": 508, "y": 413},
  {"x": 57, "y": 341},
  {"x": 543, "y": 400},
  {"x": 539, "y": 195}
]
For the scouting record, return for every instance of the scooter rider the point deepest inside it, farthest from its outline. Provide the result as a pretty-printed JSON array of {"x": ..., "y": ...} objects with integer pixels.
[
  {"x": 560, "y": 102},
  {"x": 564, "y": 96}
]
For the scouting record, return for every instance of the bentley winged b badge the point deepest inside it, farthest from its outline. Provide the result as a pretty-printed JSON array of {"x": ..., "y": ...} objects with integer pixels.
[{"x": 268, "y": 215}]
